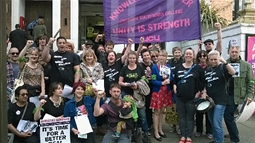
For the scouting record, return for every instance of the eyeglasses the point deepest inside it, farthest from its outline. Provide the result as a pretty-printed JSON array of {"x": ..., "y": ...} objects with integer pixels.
[
  {"x": 24, "y": 94},
  {"x": 15, "y": 53},
  {"x": 154, "y": 56},
  {"x": 203, "y": 56}
]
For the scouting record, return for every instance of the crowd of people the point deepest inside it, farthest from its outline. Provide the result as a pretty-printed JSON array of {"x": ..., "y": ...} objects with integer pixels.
[{"x": 136, "y": 92}]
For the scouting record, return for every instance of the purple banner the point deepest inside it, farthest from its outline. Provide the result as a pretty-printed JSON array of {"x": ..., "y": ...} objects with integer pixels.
[{"x": 155, "y": 20}]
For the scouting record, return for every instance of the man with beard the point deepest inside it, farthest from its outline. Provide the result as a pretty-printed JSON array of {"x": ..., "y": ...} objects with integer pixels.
[
  {"x": 112, "y": 111},
  {"x": 65, "y": 66}
]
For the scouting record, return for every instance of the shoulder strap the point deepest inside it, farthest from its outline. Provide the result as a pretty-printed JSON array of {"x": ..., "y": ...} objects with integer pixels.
[
  {"x": 24, "y": 112},
  {"x": 226, "y": 81},
  {"x": 186, "y": 74},
  {"x": 22, "y": 72},
  {"x": 114, "y": 107}
]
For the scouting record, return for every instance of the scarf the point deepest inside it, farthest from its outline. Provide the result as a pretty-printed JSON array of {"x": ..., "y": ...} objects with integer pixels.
[{"x": 134, "y": 109}]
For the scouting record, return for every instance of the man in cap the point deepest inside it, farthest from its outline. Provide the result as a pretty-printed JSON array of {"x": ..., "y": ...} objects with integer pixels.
[{"x": 209, "y": 43}]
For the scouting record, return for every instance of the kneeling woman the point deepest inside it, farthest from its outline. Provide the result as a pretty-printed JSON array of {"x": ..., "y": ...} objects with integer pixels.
[
  {"x": 78, "y": 106},
  {"x": 216, "y": 78},
  {"x": 21, "y": 110}
]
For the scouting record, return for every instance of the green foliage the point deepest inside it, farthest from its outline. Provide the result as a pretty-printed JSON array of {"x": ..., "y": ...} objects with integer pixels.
[
  {"x": 22, "y": 59},
  {"x": 209, "y": 16}
]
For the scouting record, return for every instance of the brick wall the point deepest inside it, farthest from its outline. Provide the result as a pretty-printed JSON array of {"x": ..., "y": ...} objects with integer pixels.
[
  {"x": 65, "y": 14},
  {"x": 225, "y": 8}
]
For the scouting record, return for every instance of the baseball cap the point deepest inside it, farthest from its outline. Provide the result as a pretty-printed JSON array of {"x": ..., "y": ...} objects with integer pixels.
[{"x": 208, "y": 41}]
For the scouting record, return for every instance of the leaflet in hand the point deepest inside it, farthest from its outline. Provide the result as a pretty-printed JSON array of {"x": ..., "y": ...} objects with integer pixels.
[
  {"x": 99, "y": 85},
  {"x": 27, "y": 126}
]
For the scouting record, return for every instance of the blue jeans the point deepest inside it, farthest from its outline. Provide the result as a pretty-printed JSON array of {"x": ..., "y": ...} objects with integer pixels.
[
  {"x": 230, "y": 120},
  {"x": 215, "y": 117},
  {"x": 124, "y": 138},
  {"x": 186, "y": 112},
  {"x": 142, "y": 120}
]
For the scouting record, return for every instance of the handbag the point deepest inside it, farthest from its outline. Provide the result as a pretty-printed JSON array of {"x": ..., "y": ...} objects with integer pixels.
[
  {"x": 17, "y": 83},
  {"x": 89, "y": 89}
]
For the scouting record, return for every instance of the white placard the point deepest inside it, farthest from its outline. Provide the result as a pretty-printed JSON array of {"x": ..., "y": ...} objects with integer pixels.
[
  {"x": 248, "y": 111},
  {"x": 67, "y": 92},
  {"x": 55, "y": 130},
  {"x": 99, "y": 85},
  {"x": 83, "y": 124},
  {"x": 48, "y": 116}
]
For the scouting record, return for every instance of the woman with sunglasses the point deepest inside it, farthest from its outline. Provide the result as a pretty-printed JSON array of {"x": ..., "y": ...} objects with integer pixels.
[
  {"x": 202, "y": 60},
  {"x": 154, "y": 56},
  {"x": 22, "y": 109},
  {"x": 33, "y": 73}
]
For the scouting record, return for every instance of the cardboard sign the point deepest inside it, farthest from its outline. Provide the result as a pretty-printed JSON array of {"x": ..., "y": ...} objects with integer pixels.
[
  {"x": 55, "y": 130},
  {"x": 171, "y": 115}
]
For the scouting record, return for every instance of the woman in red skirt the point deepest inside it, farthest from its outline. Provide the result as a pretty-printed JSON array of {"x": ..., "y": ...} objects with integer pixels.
[{"x": 161, "y": 93}]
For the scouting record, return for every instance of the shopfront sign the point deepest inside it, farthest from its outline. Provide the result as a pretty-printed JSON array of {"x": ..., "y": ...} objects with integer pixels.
[{"x": 250, "y": 51}]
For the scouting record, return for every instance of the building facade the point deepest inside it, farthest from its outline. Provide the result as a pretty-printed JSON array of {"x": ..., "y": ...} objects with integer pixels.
[{"x": 73, "y": 16}]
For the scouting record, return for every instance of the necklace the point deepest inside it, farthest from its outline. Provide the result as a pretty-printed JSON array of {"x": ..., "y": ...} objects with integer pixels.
[{"x": 56, "y": 104}]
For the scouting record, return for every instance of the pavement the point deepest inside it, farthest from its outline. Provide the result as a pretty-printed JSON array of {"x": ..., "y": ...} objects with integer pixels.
[{"x": 246, "y": 133}]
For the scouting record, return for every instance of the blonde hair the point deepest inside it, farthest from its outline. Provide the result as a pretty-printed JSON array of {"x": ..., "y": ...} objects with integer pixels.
[
  {"x": 154, "y": 53},
  {"x": 163, "y": 52},
  {"x": 214, "y": 52},
  {"x": 88, "y": 52},
  {"x": 33, "y": 49}
]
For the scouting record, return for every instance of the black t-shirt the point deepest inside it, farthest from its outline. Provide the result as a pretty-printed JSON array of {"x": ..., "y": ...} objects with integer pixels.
[
  {"x": 15, "y": 112},
  {"x": 111, "y": 75},
  {"x": 192, "y": 83},
  {"x": 49, "y": 108},
  {"x": 131, "y": 76},
  {"x": 62, "y": 67},
  {"x": 173, "y": 63},
  {"x": 216, "y": 88}
]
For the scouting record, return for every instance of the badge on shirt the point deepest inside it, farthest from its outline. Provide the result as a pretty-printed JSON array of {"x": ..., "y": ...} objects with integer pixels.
[{"x": 17, "y": 112}]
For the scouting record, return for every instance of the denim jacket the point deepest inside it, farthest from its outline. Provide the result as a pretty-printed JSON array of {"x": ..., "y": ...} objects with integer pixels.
[
  {"x": 70, "y": 110},
  {"x": 243, "y": 86}
]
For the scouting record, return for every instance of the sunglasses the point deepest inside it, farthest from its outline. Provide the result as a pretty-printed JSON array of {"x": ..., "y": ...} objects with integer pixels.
[
  {"x": 154, "y": 56},
  {"x": 15, "y": 53},
  {"x": 24, "y": 94},
  {"x": 208, "y": 44},
  {"x": 203, "y": 56}
]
